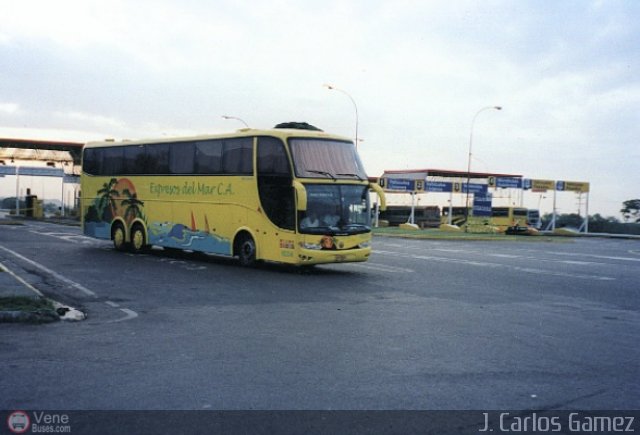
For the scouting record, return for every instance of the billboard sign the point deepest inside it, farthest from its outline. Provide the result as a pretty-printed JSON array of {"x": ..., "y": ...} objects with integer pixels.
[
  {"x": 539, "y": 185},
  {"x": 400, "y": 184},
  {"x": 473, "y": 188},
  {"x": 482, "y": 205},
  {"x": 572, "y": 186},
  {"x": 509, "y": 182},
  {"x": 439, "y": 186}
]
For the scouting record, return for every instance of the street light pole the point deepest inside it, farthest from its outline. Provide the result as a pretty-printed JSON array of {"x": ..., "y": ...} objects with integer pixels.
[
  {"x": 237, "y": 119},
  {"x": 473, "y": 122},
  {"x": 333, "y": 88}
]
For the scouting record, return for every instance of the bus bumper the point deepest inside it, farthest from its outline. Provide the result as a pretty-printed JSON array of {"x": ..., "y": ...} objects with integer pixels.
[{"x": 313, "y": 256}]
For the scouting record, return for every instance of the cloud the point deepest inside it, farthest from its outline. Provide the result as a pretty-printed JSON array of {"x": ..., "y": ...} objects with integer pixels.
[
  {"x": 565, "y": 72},
  {"x": 10, "y": 108}
]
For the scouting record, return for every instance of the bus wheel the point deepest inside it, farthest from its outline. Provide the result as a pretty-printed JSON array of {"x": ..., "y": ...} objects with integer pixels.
[
  {"x": 119, "y": 237},
  {"x": 246, "y": 250},
  {"x": 138, "y": 239}
]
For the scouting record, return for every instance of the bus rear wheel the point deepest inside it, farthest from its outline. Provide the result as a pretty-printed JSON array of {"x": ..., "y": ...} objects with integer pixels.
[
  {"x": 246, "y": 250},
  {"x": 138, "y": 239},
  {"x": 119, "y": 237}
]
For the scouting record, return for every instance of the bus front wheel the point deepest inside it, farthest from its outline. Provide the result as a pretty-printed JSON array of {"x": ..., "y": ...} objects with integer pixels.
[
  {"x": 119, "y": 237},
  {"x": 246, "y": 250}
]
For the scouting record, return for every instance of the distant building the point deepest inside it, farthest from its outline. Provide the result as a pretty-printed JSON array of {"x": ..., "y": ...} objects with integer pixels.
[{"x": 49, "y": 169}]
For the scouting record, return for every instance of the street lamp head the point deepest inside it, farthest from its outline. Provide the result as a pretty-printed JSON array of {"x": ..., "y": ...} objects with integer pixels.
[
  {"x": 236, "y": 118},
  {"x": 497, "y": 107},
  {"x": 328, "y": 86}
]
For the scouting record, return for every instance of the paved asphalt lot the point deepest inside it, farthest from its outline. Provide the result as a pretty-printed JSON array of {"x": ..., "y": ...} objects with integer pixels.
[{"x": 422, "y": 325}]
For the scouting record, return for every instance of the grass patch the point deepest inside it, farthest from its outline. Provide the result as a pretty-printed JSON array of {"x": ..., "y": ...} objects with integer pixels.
[
  {"x": 22, "y": 309},
  {"x": 24, "y": 303},
  {"x": 436, "y": 234}
]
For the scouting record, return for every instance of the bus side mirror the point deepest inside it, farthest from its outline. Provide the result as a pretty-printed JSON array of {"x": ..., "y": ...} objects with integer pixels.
[
  {"x": 383, "y": 200},
  {"x": 301, "y": 195}
]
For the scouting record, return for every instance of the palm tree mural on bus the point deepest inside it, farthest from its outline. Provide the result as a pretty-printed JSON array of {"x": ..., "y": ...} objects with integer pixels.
[
  {"x": 106, "y": 204},
  {"x": 116, "y": 198},
  {"x": 133, "y": 206}
]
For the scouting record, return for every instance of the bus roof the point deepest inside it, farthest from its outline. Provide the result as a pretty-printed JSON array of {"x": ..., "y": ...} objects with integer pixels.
[{"x": 284, "y": 133}]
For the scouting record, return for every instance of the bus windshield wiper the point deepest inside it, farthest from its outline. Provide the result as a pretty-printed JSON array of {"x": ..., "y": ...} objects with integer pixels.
[
  {"x": 328, "y": 174},
  {"x": 353, "y": 175}
]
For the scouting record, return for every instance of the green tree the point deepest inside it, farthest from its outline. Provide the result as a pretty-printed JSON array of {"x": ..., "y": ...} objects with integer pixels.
[{"x": 631, "y": 210}]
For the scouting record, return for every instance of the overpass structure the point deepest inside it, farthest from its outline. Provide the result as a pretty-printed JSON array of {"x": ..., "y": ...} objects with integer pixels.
[{"x": 73, "y": 148}]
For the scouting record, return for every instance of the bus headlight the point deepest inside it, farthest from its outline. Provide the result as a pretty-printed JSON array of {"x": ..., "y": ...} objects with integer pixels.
[{"x": 364, "y": 245}]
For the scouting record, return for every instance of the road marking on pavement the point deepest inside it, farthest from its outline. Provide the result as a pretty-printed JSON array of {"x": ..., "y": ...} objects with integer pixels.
[
  {"x": 505, "y": 255},
  {"x": 382, "y": 267},
  {"x": 450, "y": 250},
  {"x": 69, "y": 237},
  {"x": 130, "y": 314},
  {"x": 393, "y": 245},
  {"x": 602, "y": 257},
  {"x": 497, "y": 265},
  {"x": 546, "y": 260},
  {"x": 21, "y": 281},
  {"x": 56, "y": 275}
]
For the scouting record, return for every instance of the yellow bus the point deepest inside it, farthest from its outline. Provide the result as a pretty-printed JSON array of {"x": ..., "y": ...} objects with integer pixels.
[
  {"x": 505, "y": 217},
  {"x": 457, "y": 216},
  {"x": 501, "y": 217},
  {"x": 291, "y": 195}
]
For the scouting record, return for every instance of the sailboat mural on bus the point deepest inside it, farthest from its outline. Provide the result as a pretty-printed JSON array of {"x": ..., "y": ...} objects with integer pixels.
[
  {"x": 180, "y": 236},
  {"x": 118, "y": 198}
]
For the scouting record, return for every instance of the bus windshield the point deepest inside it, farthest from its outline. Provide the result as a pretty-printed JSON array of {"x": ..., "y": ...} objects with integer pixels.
[
  {"x": 321, "y": 158},
  {"x": 336, "y": 209}
]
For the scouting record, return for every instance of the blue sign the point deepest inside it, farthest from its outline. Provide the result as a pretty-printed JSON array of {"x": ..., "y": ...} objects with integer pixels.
[
  {"x": 560, "y": 185},
  {"x": 526, "y": 184},
  {"x": 439, "y": 186},
  {"x": 509, "y": 182},
  {"x": 474, "y": 188},
  {"x": 401, "y": 184},
  {"x": 482, "y": 205}
]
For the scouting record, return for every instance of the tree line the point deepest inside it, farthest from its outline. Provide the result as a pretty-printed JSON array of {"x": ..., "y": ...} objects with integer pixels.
[{"x": 629, "y": 224}]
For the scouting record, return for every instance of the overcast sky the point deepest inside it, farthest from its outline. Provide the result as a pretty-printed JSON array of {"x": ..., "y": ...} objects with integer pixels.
[{"x": 566, "y": 72}]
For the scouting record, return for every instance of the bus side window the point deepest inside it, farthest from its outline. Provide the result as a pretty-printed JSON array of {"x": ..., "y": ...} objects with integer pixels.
[
  {"x": 181, "y": 158},
  {"x": 208, "y": 157},
  {"x": 134, "y": 160},
  {"x": 91, "y": 161},
  {"x": 112, "y": 161},
  {"x": 157, "y": 159},
  {"x": 237, "y": 157}
]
